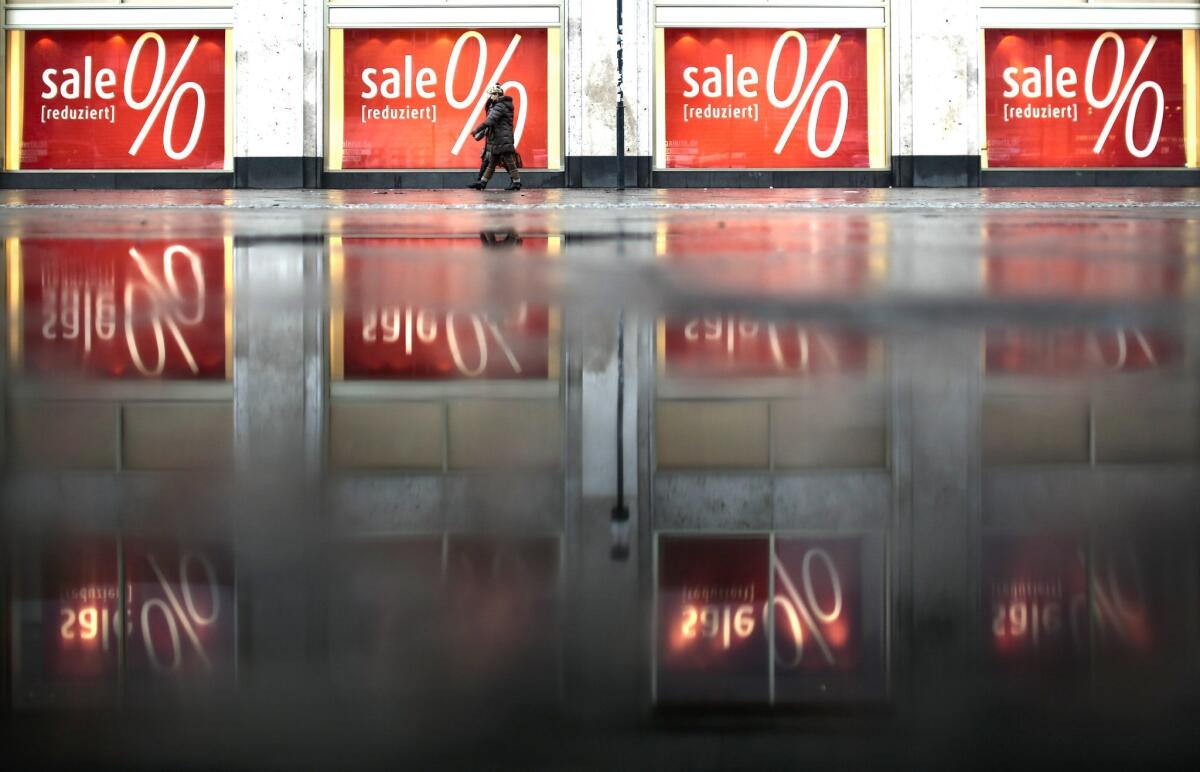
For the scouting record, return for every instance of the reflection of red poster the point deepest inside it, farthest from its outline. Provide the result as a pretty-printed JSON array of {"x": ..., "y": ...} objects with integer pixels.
[
  {"x": 818, "y": 606},
  {"x": 502, "y": 606},
  {"x": 1127, "y": 602},
  {"x": 1079, "y": 351},
  {"x": 712, "y": 643},
  {"x": 1015, "y": 271},
  {"x": 1080, "y": 98},
  {"x": 809, "y": 260},
  {"x": 180, "y": 603},
  {"x": 1078, "y": 277},
  {"x": 1035, "y": 601},
  {"x": 813, "y": 257},
  {"x": 731, "y": 346},
  {"x": 766, "y": 98},
  {"x": 414, "y": 318},
  {"x": 115, "y": 309},
  {"x": 413, "y": 96},
  {"x": 122, "y": 99}
]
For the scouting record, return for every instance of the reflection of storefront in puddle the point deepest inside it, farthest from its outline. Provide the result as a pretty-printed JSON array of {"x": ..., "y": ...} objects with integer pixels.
[
  {"x": 426, "y": 614},
  {"x": 1096, "y": 276},
  {"x": 767, "y": 620},
  {"x": 402, "y": 312},
  {"x": 118, "y": 309},
  {"x": 1037, "y": 586},
  {"x": 79, "y": 640}
]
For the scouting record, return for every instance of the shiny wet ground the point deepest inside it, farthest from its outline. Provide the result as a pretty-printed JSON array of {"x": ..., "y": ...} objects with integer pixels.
[{"x": 903, "y": 471}]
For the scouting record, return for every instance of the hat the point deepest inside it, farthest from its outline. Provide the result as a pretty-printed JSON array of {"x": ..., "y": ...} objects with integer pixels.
[{"x": 496, "y": 91}]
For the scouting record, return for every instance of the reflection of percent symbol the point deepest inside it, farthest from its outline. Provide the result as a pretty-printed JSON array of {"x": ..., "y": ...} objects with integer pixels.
[
  {"x": 805, "y": 341},
  {"x": 181, "y": 615},
  {"x": 1122, "y": 354},
  {"x": 481, "y": 325},
  {"x": 1118, "y": 101},
  {"x": 799, "y": 100},
  {"x": 805, "y": 612},
  {"x": 168, "y": 308},
  {"x": 158, "y": 96},
  {"x": 1115, "y": 602},
  {"x": 477, "y": 95}
]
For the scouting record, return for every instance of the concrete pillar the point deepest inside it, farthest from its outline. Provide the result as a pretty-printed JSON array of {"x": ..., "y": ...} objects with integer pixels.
[
  {"x": 280, "y": 61},
  {"x": 591, "y": 82},
  {"x": 278, "y": 388},
  {"x": 935, "y": 93}
]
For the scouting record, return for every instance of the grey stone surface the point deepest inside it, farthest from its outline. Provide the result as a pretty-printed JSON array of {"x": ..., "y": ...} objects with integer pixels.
[
  {"x": 835, "y": 501},
  {"x": 713, "y": 501},
  {"x": 362, "y": 505}
]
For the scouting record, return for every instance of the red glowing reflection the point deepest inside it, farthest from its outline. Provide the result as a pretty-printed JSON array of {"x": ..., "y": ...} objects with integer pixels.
[
  {"x": 410, "y": 317},
  {"x": 127, "y": 310}
]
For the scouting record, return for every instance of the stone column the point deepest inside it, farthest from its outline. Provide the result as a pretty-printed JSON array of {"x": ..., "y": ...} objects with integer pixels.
[
  {"x": 280, "y": 65},
  {"x": 935, "y": 93}
]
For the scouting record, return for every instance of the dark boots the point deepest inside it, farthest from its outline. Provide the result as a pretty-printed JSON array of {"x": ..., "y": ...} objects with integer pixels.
[{"x": 482, "y": 184}]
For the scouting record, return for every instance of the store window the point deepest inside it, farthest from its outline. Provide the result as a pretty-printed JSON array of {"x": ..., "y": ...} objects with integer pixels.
[
  {"x": 125, "y": 88},
  {"x": 1089, "y": 86},
  {"x": 407, "y": 85},
  {"x": 770, "y": 88}
]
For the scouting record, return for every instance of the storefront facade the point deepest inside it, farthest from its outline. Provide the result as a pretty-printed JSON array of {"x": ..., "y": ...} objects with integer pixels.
[{"x": 336, "y": 93}]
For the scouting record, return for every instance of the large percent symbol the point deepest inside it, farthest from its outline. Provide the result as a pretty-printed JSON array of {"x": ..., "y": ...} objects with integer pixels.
[
  {"x": 477, "y": 94},
  {"x": 167, "y": 305},
  {"x": 798, "y": 100},
  {"x": 158, "y": 96},
  {"x": 1118, "y": 101},
  {"x": 805, "y": 613},
  {"x": 181, "y": 615}
]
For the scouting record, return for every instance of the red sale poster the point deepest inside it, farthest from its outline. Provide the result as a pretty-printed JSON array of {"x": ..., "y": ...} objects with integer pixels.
[
  {"x": 811, "y": 259},
  {"x": 410, "y": 98},
  {"x": 119, "y": 99},
  {"x": 1084, "y": 98},
  {"x": 765, "y": 98},
  {"x": 110, "y": 308}
]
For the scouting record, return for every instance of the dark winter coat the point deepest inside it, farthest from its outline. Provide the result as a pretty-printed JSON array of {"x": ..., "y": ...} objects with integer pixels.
[{"x": 498, "y": 126}]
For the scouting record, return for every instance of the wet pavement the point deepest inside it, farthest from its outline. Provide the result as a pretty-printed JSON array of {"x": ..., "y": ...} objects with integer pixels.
[{"x": 910, "y": 478}]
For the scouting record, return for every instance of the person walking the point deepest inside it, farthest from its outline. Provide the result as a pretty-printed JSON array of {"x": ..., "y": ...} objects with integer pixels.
[{"x": 501, "y": 148}]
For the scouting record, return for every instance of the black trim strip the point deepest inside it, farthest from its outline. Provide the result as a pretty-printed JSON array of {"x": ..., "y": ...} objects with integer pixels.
[
  {"x": 809, "y": 178},
  {"x": 1091, "y": 178},
  {"x": 116, "y": 180},
  {"x": 601, "y": 172}
]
